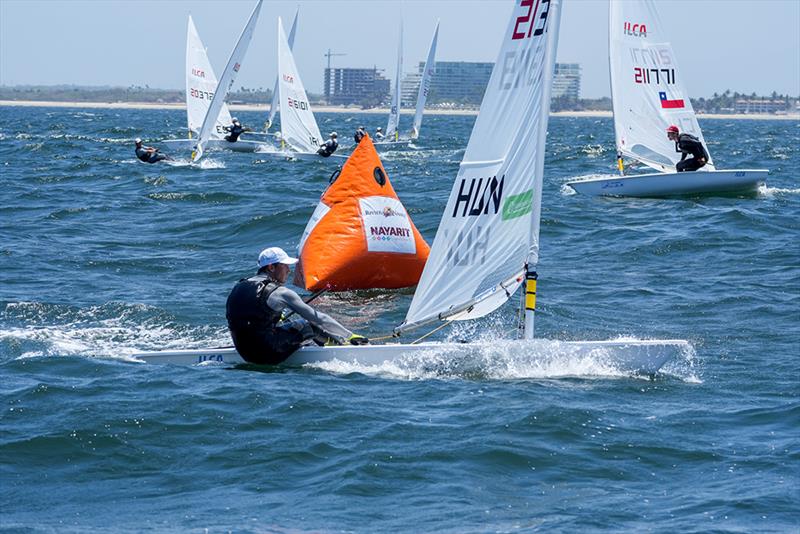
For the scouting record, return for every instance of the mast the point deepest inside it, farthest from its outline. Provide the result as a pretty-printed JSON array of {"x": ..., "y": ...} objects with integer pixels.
[
  {"x": 554, "y": 17},
  {"x": 620, "y": 161},
  {"x": 394, "y": 113}
]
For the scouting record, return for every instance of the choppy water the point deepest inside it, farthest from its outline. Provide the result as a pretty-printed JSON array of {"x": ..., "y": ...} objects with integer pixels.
[{"x": 101, "y": 255}]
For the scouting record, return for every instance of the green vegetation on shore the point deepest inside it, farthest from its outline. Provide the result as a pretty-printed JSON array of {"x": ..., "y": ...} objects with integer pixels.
[{"x": 725, "y": 103}]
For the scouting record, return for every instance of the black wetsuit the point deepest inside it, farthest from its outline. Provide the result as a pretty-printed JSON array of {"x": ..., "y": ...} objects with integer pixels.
[
  {"x": 235, "y": 131},
  {"x": 328, "y": 148},
  {"x": 254, "y": 311},
  {"x": 258, "y": 332},
  {"x": 689, "y": 144},
  {"x": 149, "y": 157},
  {"x": 359, "y": 135}
]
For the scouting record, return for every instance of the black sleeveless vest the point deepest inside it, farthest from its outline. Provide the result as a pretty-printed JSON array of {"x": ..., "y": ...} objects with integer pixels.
[{"x": 247, "y": 307}]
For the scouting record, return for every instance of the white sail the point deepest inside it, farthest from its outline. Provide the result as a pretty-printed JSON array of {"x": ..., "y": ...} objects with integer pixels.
[
  {"x": 273, "y": 109},
  {"x": 425, "y": 84},
  {"x": 201, "y": 83},
  {"x": 485, "y": 236},
  {"x": 394, "y": 112},
  {"x": 646, "y": 86},
  {"x": 298, "y": 127},
  {"x": 226, "y": 82}
]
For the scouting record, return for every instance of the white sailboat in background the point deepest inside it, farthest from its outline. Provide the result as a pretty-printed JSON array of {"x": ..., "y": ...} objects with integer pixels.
[
  {"x": 201, "y": 85},
  {"x": 392, "y": 134},
  {"x": 392, "y": 129},
  {"x": 425, "y": 84},
  {"x": 648, "y": 95},
  {"x": 226, "y": 83},
  {"x": 300, "y": 136},
  {"x": 488, "y": 239},
  {"x": 275, "y": 106}
]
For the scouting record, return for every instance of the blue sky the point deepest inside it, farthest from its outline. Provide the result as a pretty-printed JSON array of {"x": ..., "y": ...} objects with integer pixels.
[{"x": 742, "y": 45}]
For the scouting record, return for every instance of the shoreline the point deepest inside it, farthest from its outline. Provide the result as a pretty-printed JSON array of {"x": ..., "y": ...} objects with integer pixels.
[{"x": 337, "y": 109}]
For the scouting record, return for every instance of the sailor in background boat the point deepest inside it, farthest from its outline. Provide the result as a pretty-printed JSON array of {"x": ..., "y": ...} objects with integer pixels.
[
  {"x": 379, "y": 133},
  {"x": 688, "y": 144},
  {"x": 148, "y": 154},
  {"x": 360, "y": 133},
  {"x": 256, "y": 320},
  {"x": 330, "y": 146},
  {"x": 235, "y": 130}
]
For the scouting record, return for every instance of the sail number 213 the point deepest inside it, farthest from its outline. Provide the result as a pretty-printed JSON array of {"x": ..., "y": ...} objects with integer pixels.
[{"x": 529, "y": 19}]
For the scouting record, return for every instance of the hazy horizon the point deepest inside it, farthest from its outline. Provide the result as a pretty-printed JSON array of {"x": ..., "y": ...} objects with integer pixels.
[{"x": 739, "y": 45}]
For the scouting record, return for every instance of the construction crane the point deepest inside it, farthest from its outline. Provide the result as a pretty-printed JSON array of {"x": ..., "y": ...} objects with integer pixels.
[{"x": 330, "y": 54}]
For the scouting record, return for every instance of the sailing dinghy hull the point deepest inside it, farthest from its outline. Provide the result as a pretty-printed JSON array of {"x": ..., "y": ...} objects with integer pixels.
[
  {"x": 269, "y": 152},
  {"x": 673, "y": 184},
  {"x": 216, "y": 144},
  {"x": 643, "y": 357},
  {"x": 392, "y": 144}
]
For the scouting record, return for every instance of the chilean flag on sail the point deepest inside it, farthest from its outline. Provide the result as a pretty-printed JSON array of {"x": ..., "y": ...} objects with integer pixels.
[{"x": 669, "y": 104}]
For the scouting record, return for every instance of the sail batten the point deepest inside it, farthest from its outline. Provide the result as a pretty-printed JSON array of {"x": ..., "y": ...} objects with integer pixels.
[
  {"x": 484, "y": 237},
  {"x": 647, "y": 88}
]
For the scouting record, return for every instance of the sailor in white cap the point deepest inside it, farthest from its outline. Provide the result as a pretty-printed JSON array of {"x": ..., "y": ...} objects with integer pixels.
[
  {"x": 379, "y": 133},
  {"x": 330, "y": 146},
  {"x": 148, "y": 154},
  {"x": 255, "y": 313}
]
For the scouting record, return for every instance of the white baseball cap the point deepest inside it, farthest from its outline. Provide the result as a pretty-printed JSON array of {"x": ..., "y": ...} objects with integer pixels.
[{"x": 272, "y": 255}]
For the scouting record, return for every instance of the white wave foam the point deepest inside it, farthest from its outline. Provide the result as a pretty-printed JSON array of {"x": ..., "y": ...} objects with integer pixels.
[
  {"x": 515, "y": 360},
  {"x": 770, "y": 192},
  {"x": 206, "y": 163},
  {"x": 567, "y": 190},
  {"x": 210, "y": 163},
  {"x": 86, "y": 333}
]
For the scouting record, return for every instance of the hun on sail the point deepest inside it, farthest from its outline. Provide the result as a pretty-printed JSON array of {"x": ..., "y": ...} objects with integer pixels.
[{"x": 489, "y": 230}]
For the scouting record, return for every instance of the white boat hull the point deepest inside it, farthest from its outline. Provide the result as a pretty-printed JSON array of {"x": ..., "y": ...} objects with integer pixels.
[
  {"x": 672, "y": 184},
  {"x": 305, "y": 156},
  {"x": 242, "y": 145},
  {"x": 392, "y": 144},
  {"x": 644, "y": 357}
]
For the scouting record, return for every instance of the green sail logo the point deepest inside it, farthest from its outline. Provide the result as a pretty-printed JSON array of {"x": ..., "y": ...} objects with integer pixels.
[{"x": 518, "y": 205}]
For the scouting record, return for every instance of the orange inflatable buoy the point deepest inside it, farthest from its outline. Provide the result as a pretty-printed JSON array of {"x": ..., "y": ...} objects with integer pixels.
[{"x": 360, "y": 236}]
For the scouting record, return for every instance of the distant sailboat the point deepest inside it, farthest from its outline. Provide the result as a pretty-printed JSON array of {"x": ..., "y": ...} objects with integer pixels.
[
  {"x": 487, "y": 243},
  {"x": 648, "y": 96},
  {"x": 275, "y": 106},
  {"x": 201, "y": 85},
  {"x": 425, "y": 84},
  {"x": 392, "y": 133},
  {"x": 392, "y": 128},
  {"x": 300, "y": 136},
  {"x": 225, "y": 84}
]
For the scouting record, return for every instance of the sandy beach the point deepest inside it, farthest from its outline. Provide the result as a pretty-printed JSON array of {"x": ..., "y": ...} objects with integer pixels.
[{"x": 353, "y": 110}]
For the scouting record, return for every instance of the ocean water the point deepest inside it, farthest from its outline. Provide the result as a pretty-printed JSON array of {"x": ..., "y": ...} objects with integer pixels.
[{"x": 101, "y": 255}]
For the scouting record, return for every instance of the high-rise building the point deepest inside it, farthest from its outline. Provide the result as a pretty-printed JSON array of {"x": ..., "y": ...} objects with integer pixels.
[
  {"x": 458, "y": 82},
  {"x": 365, "y": 87},
  {"x": 411, "y": 81},
  {"x": 567, "y": 81}
]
